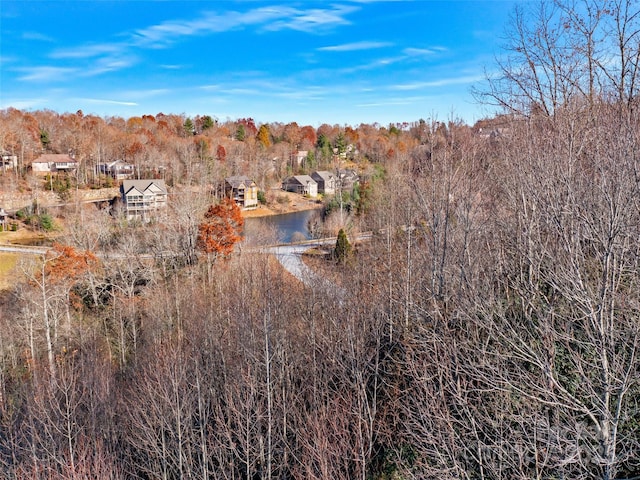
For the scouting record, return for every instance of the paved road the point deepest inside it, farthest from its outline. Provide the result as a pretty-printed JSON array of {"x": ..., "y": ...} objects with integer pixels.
[
  {"x": 290, "y": 257},
  {"x": 24, "y": 249}
]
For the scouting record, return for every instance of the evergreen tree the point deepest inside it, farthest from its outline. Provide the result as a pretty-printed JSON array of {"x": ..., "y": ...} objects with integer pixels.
[
  {"x": 207, "y": 122},
  {"x": 188, "y": 127},
  {"x": 342, "y": 251},
  {"x": 240, "y": 133},
  {"x": 44, "y": 139}
]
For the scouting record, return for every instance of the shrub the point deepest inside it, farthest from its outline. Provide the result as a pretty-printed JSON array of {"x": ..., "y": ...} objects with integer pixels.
[{"x": 46, "y": 222}]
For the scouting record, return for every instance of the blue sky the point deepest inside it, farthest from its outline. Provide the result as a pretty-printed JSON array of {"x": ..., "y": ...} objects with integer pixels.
[{"x": 340, "y": 62}]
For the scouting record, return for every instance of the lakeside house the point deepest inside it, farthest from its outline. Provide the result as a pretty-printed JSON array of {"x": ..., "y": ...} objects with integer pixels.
[
  {"x": 143, "y": 199},
  {"x": 118, "y": 169},
  {"x": 242, "y": 190},
  {"x": 326, "y": 181},
  {"x": 347, "y": 178},
  {"x": 302, "y": 184},
  {"x": 54, "y": 163}
]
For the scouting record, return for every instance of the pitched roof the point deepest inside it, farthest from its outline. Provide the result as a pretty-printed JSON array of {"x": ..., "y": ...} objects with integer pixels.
[
  {"x": 54, "y": 157},
  {"x": 237, "y": 180},
  {"x": 116, "y": 163},
  {"x": 143, "y": 185},
  {"x": 323, "y": 174},
  {"x": 301, "y": 179}
]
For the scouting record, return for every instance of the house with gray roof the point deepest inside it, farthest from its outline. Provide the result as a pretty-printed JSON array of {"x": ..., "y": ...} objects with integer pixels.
[
  {"x": 143, "y": 199},
  {"x": 118, "y": 169},
  {"x": 326, "y": 181},
  {"x": 302, "y": 184},
  {"x": 53, "y": 163}
]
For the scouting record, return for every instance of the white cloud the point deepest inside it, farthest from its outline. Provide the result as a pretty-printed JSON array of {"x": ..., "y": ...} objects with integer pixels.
[
  {"x": 350, "y": 47},
  {"x": 384, "y": 104},
  {"x": 46, "y": 74},
  {"x": 316, "y": 20},
  {"x": 146, "y": 94},
  {"x": 36, "y": 36},
  {"x": 108, "y": 64},
  {"x": 101, "y": 101},
  {"x": 271, "y": 18},
  {"x": 421, "y": 52},
  {"x": 4, "y": 59},
  {"x": 89, "y": 51},
  {"x": 444, "y": 82},
  {"x": 212, "y": 87},
  {"x": 25, "y": 104},
  {"x": 379, "y": 63}
]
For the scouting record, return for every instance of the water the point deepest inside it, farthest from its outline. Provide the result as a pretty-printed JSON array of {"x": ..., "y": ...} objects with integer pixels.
[{"x": 283, "y": 228}]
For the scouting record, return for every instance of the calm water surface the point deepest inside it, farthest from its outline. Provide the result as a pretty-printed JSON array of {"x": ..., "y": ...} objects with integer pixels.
[{"x": 278, "y": 228}]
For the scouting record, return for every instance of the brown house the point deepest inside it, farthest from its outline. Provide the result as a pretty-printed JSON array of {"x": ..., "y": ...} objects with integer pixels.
[{"x": 242, "y": 190}]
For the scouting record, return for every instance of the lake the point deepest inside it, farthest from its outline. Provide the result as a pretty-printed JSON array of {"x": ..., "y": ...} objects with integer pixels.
[{"x": 282, "y": 228}]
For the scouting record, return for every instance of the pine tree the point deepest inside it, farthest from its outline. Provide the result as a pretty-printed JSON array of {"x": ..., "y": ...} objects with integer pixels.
[{"x": 343, "y": 248}]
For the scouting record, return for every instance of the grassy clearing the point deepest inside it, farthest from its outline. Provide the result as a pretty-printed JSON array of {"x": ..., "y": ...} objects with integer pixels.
[{"x": 8, "y": 262}]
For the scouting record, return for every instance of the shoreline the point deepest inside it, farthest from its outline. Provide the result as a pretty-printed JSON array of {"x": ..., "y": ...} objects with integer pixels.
[{"x": 265, "y": 211}]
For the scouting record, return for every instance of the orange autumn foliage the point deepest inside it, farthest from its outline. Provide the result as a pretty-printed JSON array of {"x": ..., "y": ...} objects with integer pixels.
[
  {"x": 67, "y": 263},
  {"x": 221, "y": 228}
]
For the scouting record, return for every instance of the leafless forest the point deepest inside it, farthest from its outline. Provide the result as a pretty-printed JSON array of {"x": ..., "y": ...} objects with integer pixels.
[{"x": 497, "y": 337}]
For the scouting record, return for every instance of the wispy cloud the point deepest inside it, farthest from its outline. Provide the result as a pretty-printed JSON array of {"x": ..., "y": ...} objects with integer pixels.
[
  {"x": 46, "y": 73},
  {"x": 313, "y": 93},
  {"x": 265, "y": 18},
  {"x": 383, "y": 104},
  {"x": 444, "y": 82},
  {"x": 115, "y": 56},
  {"x": 36, "y": 36},
  {"x": 315, "y": 20},
  {"x": 102, "y": 101},
  {"x": 23, "y": 104},
  {"x": 146, "y": 94},
  {"x": 108, "y": 64},
  {"x": 378, "y": 63},
  {"x": 210, "y": 88},
  {"x": 393, "y": 102},
  {"x": 89, "y": 51},
  {"x": 351, "y": 47},
  {"x": 5, "y": 60},
  {"x": 421, "y": 52}
]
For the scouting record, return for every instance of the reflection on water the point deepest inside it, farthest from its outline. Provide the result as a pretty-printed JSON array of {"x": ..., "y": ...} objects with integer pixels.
[
  {"x": 33, "y": 241},
  {"x": 283, "y": 228}
]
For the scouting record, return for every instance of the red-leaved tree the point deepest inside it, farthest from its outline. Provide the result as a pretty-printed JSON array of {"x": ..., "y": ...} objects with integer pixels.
[{"x": 221, "y": 228}]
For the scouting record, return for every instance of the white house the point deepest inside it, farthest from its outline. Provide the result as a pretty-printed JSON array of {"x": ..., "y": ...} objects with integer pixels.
[
  {"x": 53, "y": 163},
  {"x": 143, "y": 199},
  {"x": 302, "y": 184}
]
